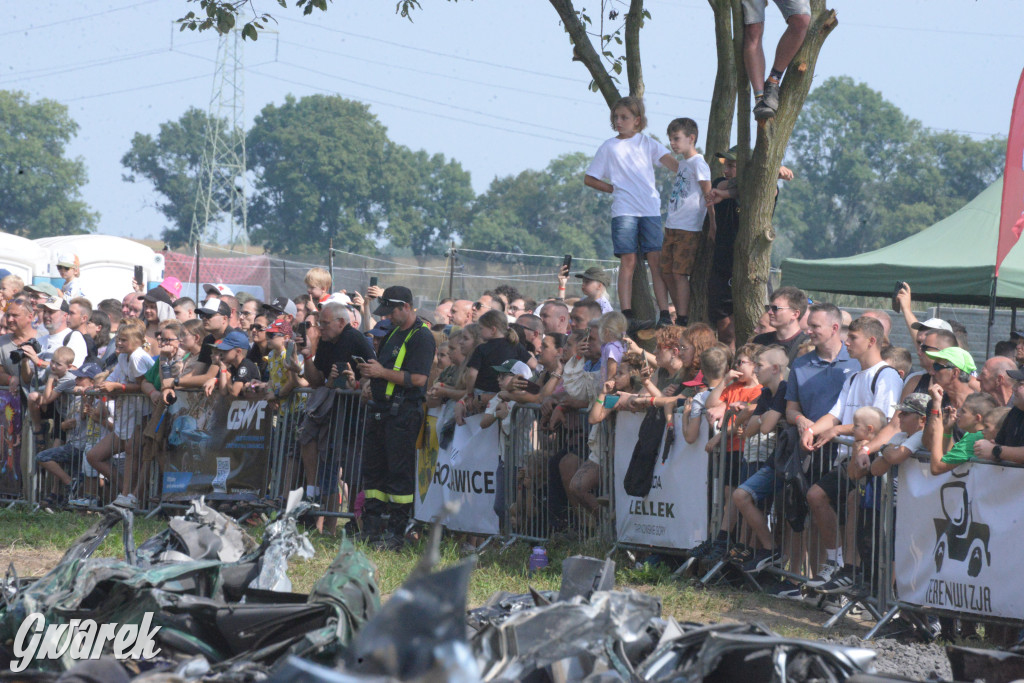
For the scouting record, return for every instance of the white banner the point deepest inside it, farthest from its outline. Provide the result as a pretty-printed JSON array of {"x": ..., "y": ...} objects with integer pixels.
[
  {"x": 466, "y": 473},
  {"x": 958, "y": 539},
  {"x": 674, "y": 514}
]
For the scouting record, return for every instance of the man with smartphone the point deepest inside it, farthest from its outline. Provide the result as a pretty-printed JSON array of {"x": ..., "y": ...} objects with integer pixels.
[
  {"x": 395, "y": 394},
  {"x": 326, "y": 359}
]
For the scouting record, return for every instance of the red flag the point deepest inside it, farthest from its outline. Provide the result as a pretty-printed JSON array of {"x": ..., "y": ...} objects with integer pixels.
[{"x": 1011, "y": 221}]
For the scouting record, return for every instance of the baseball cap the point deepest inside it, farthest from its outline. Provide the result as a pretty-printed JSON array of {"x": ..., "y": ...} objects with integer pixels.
[
  {"x": 956, "y": 357},
  {"x": 596, "y": 273},
  {"x": 514, "y": 367},
  {"x": 932, "y": 324},
  {"x": 214, "y": 306},
  {"x": 218, "y": 289},
  {"x": 730, "y": 154},
  {"x": 235, "y": 339},
  {"x": 44, "y": 288},
  {"x": 159, "y": 294},
  {"x": 89, "y": 370},
  {"x": 282, "y": 304},
  {"x": 4, "y": 273},
  {"x": 67, "y": 260},
  {"x": 56, "y": 303},
  {"x": 276, "y": 327},
  {"x": 396, "y": 294},
  {"x": 172, "y": 285},
  {"x": 914, "y": 403},
  {"x": 336, "y": 298},
  {"x": 381, "y": 329}
]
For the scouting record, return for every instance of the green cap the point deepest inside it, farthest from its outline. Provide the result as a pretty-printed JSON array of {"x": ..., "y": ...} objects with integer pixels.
[
  {"x": 45, "y": 288},
  {"x": 955, "y": 356},
  {"x": 729, "y": 155}
]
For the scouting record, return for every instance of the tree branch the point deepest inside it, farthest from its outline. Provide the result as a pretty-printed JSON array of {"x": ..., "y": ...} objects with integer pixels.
[
  {"x": 634, "y": 69},
  {"x": 583, "y": 50}
]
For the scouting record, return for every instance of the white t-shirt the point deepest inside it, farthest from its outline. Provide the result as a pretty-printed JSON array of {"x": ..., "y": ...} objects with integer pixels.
[
  {"x": 72, "y": 290},
  {"x": 131, "y": 368},
  {"x": 76, "y": 342},
  {"x": 686, "y": 208},
  {"x": 856, "y": 392},
  {"x": 629, "y": 166}
]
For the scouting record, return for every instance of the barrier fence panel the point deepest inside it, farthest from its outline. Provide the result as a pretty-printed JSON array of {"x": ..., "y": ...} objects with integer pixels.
[
  {"x": 13, "y": 461},
  {"x": 958, "y": 542}
]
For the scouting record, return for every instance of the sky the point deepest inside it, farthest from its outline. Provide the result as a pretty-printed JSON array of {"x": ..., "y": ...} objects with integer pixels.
[{"x": 489, "y": 83}]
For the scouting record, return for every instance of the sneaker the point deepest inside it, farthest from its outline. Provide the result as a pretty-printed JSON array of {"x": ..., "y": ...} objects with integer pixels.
[
  {"x": 761, "y": 558},
  {"x": 126, "y": 501},
  {"x": 833, "y": 604},
  {"x": 771, "y": 95},
  {"x": 762, "y": 111},
  {"x": 797, "y": 595},
  {"x": 739, "y": 553},
  {"x": 825, "y": 574},
  {"x": 840, "y": 582},
  {"x": 702, "y": 550},
  {"x": 84, "y": 502},
  {"x": 635, "y": 326},
  {"x": 664, "y": 320},
  {"x": 717, "y": 553},
  {"x": 50, "y": 502}
]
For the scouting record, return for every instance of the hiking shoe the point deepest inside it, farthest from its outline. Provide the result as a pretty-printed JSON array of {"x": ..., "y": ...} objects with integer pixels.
[
  {"x": 761, "y": 558},
  {"x": 825, "y": 574},
  {"x": 771, "y": 95},
  {"x": 739, "y": 553},
  {"x": 762, "y": 111},
  {"x": 840, "y": 582},
  {"x": 126, "y": 501}
]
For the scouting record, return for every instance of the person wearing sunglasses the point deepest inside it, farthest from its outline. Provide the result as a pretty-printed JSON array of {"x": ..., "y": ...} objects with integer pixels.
[
  {"x": 395, "y": 391},
  {"x": 259, "y": 350},
  {"x": 784, "y": 313}
]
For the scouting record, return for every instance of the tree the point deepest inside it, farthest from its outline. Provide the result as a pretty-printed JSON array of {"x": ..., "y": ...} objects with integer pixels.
[
  {"x": 320, "y": 175},
  {"x": 427, "y": 199},
  {"x": 542, "y": 212},
  {"x": 39, "y": 187},
  {"x": 171, "y": 162},
  {"x": 868, "y": 175}
]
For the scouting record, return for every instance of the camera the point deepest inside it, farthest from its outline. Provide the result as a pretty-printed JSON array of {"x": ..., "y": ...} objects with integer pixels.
[{"x": 17, "y": 355}]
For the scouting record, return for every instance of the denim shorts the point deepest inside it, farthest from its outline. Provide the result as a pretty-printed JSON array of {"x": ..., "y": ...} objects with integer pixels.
[
  {"x": 761, "y": 484},
  {"x": 62, "y": 455},
  {"x": 633, "y": 233}
]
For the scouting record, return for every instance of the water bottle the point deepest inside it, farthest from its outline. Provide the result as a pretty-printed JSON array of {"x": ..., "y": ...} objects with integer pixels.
[{"x": 538, "y": 559}]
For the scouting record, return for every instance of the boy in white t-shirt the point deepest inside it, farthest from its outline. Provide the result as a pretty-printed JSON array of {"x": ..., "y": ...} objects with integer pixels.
[{"x": 688, "y": 205}]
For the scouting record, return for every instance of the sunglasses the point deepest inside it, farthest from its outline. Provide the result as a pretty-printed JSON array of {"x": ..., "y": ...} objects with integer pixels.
[
  {"x": 937, "y": 367},
  {"x": 775, "y": 309},
  {"x": 925, "y": 348},
  {"x": 167, "y": 340},
  {"x": 257, "y": 328},
  {"x": 476, "y": 305}
]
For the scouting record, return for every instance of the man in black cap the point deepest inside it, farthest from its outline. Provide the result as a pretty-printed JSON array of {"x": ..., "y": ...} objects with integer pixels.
[
  {"x": 215, "y": 315},
  {"x": 395, "y": 393}
]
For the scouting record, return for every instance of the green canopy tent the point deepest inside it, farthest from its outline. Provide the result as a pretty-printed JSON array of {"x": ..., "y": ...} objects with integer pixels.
[{"x": 952, "y": 261}]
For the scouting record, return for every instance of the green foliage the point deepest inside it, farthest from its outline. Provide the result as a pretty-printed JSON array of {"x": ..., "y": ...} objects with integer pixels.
[
  {"x": 867, "y": 175},
  {"x": 171, "y": 162},
  {"x": 222, "y": 15},
  {"x": 39, "y": 186},
  {"x": 543, "y": 212},
  {"x": 320, "y": 174}
]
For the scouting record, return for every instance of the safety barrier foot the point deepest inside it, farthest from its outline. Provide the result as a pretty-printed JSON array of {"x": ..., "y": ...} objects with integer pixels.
[
  {"x": 703, "y": 581},
  {"x": 893, "y": 611}
]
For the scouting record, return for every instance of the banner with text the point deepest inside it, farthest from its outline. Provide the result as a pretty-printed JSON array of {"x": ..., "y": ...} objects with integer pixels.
[
  {"x": 958, "y": 539},
  {"x": 674, "y": 514},
  {"x": 465, "y": 473},
  {"x": 217, "y": 447}
]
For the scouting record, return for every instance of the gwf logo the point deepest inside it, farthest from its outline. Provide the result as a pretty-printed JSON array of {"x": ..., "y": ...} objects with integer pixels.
[
  {"x": 958, "y": 537},
  {"x": 242, "y": 413}
]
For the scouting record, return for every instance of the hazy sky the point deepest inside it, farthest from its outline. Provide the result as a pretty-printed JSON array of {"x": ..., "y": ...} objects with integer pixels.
[{"x": 487, "y": 82}]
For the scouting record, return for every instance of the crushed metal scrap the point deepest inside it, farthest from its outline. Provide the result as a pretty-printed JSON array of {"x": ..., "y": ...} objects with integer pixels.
[{"x": 227, "y": 614}]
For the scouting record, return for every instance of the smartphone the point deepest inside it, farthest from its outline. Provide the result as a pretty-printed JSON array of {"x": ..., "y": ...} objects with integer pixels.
[
  {"x": 567, "y": 262},
  {"x": 139, "y": 276},
  {"x": 289, "y": 352},
  {"x": 896, "y": 302},
  {"x": 610, "y": 401},
  {"x": 359, "y": 360},
  {"x": 373, "y": 281}
]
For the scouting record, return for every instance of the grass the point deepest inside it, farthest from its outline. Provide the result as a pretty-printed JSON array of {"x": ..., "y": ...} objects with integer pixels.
[{"x": 38, "y": 539}]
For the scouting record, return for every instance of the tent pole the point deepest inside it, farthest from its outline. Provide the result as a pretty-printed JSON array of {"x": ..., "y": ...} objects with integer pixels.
[
  {"x": 1013, "y": 318},
  {"x": 991, "y": 317}
]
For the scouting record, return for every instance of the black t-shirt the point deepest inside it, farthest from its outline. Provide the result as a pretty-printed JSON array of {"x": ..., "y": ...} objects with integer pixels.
[
  {"x": 1012, "y": 431},
  {"x": 490, "y": 353},
  {"x": 245, "y": 372},
  {"x": 206, "y": 353},
  {"x": 419, "y": 358},
  {"x": 792, "y": 346},
  {"x": 351, "y": 342},
  {"x": 727, "y": 225},
  {"x": 777, "y": 402},
  {"x": 255, "y": 355}
]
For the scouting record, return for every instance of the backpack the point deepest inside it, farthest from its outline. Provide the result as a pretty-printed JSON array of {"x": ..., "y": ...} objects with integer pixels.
[
  {"x": 640, "y": 473},
  {"x": 789, "y": 468}
]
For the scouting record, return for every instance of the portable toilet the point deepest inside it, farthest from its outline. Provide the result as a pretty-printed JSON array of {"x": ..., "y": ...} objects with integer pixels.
[
  {"x": 24, "y": 258},
  {"x": 107, "y": 263}
]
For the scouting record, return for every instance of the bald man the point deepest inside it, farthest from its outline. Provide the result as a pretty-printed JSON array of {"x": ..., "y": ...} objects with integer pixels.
[
  {"x": 462, "y": 312},
  {"x": 994, "y": 380},
  {"x": 882, "y": 317}
]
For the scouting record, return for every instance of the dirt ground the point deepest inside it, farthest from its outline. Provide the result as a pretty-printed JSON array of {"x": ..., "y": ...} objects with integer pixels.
[{"x": 28, "y": 561}]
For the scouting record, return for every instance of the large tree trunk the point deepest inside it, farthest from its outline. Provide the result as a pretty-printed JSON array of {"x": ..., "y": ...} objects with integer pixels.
[
  {"x": 716, "y": 139},
  {"x": 759, "y": 176}
]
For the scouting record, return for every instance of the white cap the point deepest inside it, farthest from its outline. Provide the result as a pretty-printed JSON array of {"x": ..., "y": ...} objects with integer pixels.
[
  {"x": 932, "y": 324},
  {"x": 218, "y": 289}
]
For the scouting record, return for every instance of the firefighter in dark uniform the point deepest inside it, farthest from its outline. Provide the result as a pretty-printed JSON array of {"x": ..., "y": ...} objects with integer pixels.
[{"x": 395, "y": 394}]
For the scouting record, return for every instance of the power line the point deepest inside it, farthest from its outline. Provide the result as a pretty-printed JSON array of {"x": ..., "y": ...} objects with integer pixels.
[
  {"x": 140, "y": 87},
  {"x": 407, "y": 109},
  {"x": 46, "y": 72},
  {"x": 76, "y": 19}
]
